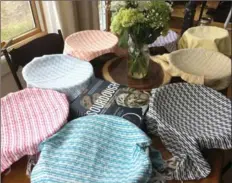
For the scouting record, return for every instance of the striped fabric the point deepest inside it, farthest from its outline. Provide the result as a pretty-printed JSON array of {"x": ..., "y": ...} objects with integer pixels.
[
  {"x": 95, "y": 149},
  {"x": 190, "y": 118},
  {"x": 27, "y": 118},
  {"x": 59, "y": 72},
  {"x": 169, "y": 41},
  {"x": 90, "y": 44}
]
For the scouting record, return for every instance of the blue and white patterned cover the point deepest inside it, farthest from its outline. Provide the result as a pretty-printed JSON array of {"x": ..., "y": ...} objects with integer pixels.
[
  {"x": 95, "y": 149},
  {"x": 169, "y": 41},
  {"x": 59, "y": 72},
  {"x": 190, "y": 118}
]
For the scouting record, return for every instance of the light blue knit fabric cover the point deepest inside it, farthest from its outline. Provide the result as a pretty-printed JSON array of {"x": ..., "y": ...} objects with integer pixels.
[
  {"x": 59, "y": 72},
  {"x": 95, "y": 149}
]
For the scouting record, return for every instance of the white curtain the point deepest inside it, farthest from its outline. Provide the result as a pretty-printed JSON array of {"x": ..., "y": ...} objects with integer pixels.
[
  {"x": 71, "y": 16},
  {"x": 51, "y": 16}
]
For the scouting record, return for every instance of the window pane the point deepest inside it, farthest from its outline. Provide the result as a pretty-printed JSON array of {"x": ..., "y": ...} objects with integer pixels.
[
  {"x": 16, "y": 19},
  {"x": 102, "y": 14}
]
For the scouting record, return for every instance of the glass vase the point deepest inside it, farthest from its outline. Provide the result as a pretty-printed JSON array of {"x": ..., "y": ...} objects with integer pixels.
[{"x": 138, "y": 61}]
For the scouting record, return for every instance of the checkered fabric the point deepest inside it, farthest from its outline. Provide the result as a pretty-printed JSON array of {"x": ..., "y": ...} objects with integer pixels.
[
  {"x": 59, "y": 72},
  {"x": 189, "y": 118},
  {"x": 90, "y": 44},
  {"x": 95, "y": 149},
  {"x": 169, "y": 41},
  {"x": 27, "y": 118}
]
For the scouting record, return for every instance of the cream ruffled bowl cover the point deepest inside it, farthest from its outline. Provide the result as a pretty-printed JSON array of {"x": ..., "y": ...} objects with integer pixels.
[
  {"x": 208, "y": 37},
  {"x": 198, "y": 66}
]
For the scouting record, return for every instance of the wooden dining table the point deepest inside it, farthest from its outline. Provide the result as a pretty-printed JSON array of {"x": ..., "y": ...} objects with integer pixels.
[
  {"x": 156, "y": 77},
  {"x": 215, "y": 157}
]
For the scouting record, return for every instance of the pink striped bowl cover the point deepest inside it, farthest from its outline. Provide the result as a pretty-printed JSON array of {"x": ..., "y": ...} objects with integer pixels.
[
  {"x": 90, "y": 44},
  {"x": 27, "y": 118}
]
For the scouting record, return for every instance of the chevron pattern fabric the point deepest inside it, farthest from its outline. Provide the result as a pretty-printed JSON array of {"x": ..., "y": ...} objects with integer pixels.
[
  {"x": 99, "y": 149},
  {"x": 27, "y": 118},
  {"x": 59, "y": 72},
  {"x": 189, "y": 118},
  {"x": 90, "y": 44},
  {"x": 169, "y": 41}
]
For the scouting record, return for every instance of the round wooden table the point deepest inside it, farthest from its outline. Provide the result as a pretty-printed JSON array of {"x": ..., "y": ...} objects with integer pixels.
[{"x": 115, "y": 70}]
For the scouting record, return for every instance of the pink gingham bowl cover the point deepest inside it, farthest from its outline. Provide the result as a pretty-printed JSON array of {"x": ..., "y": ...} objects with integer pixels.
[
  {"x": 27, "y": 118},
  {"x": 90, "y": 44}
]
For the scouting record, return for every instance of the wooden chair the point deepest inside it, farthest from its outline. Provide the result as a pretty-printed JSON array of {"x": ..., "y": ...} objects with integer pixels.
[
  {"x": 190, "y": 11},
  {"x": 49, "y": 44}
]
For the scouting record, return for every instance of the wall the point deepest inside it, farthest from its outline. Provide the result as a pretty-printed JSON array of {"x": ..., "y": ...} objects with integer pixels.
[{"x": 7, "y": 81}]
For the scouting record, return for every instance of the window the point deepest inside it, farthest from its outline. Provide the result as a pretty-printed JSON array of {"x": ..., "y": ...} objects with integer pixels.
[
  {"x": 20, "y": 20},
  {"x": 104, "y": 14}
]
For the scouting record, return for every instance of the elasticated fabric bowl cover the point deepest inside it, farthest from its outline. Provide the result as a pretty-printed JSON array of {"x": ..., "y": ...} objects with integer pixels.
[
  {"x": 90, "y": 44},
  {"x": 169, "y": 41},
  {"x": 59, "y": 72},
  {"x": 198, "y": 66},
  {"x": 190, "y": 118},
  {"x": 208, "y": 37},
  {"x": 99, "y": 149},
  {"x": 27, "y": 118}
]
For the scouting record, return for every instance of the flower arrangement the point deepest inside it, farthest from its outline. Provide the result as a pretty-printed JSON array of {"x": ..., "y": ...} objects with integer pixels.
[
  {"x": 137, "y": 24},
  {"x": 143, "y": 20}
]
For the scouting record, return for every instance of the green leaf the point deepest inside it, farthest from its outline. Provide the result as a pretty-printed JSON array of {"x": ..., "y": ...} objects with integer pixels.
[{"x": 123, "y": 39}]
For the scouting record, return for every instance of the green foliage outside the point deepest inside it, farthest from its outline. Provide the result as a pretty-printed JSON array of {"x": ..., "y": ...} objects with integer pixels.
[
  {"x": 16, "y": 19},
  {"x": 16, "y": 29}
]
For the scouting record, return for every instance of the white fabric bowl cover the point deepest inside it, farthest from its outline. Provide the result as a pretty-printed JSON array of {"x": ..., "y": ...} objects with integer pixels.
[
  {"x": 190, "y": 118},
  {"x": 27, "y": 118},
  {"x": 90, "y": 44},
  {"x": 198, "y": 66},
  {"x": 169, "y": 41},
  {"x": 59, "y": 72}
]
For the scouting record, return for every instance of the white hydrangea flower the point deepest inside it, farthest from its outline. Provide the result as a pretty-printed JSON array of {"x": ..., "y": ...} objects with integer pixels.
[
  {"x": 170, "y": 6},
  {"x": 143, "y": 5},
  {"x": 116, "y": 5}
]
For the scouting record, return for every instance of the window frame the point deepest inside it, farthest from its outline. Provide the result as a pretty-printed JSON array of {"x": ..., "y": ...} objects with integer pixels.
[
  {"x": 108, "y": 15},
  {"x": 35, "y": 6}
]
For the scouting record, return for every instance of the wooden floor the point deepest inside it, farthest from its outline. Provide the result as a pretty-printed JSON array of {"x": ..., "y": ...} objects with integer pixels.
[{"x": 178, "y": 14}]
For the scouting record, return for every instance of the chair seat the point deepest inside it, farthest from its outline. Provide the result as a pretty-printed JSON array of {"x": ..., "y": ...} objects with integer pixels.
[
  {"x": 190, "y": 118},
  {"x": 169, "y": 41},
  {"x": 99, "y": 149},
  {"x": 27, "y": 118},
  {"x": 90, "y": 44},
  {"x": 60, "y": 72}
]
